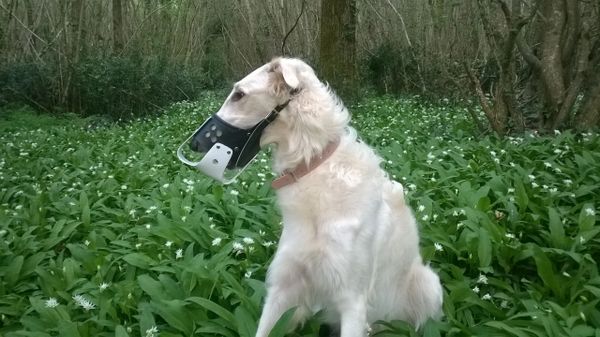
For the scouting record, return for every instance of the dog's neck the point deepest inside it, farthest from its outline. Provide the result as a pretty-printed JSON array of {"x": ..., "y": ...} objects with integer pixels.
[
  {"x": 314, "y": 119},
  {"x": 291, "y": 176}
]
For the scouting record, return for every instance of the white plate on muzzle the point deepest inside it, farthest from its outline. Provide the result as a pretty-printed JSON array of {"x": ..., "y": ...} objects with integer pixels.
[{"x": 213, "y": 163}]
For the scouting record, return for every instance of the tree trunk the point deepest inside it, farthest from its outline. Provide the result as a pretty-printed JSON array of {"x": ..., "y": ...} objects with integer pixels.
[
  {"x": 552, "y": 70},
  {"x": 589, "y": 114},
  {"x": 117, "y": 16},
  {"x": 74, "y": 48},
  {"x": 31, "y": 40},
  {"x": 337, "y": 57}
]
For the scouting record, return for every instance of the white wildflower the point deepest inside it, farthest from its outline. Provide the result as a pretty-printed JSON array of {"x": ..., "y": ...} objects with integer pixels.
[
  {"x": 438, "y": 247},
  {"x": 84, "y": 303},
  {"x": 425, "y": 217},
  {"x": 547, "y": 164},
  {"x": 179, "y": 253},
  {"x": 412, "y": 187},
  {"x": 268, "y": 243},
  {"x": 216, "y": 241},
  {"x": 486, "y": 297},
  {"x": 482, "y": 279},
  {"x": 248, "y": 274},
  {"x": 238, "y": 247},
  {"x": 168, "y": 244},
  {"x": 568, "y": 182},
  {"x": 165, "y": 185},
  {"x": 421, "y": 208},
  {"x": 509, "y": 235},
  {"x": 476, "y": 289},
  {"x": 531, "y": 176},
  {"x": 234, "y": 192},
  {"x": 123, "y": 187},
  {"x": 152, "y": 332},
  {"x": 51, "y": 303},
  {"x": 590, "y": 211},
  {"x": 103, "y": 286},
  {"x": 248, "y": 240}
]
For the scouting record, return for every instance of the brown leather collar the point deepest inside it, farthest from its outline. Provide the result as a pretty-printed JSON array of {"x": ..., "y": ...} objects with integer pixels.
[{"x": 289, "y": 177}]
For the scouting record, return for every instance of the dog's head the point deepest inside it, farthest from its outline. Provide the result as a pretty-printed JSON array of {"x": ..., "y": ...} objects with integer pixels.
[
  {"x": 267, "y": 87},
  {"x": 231, "y": 138}
]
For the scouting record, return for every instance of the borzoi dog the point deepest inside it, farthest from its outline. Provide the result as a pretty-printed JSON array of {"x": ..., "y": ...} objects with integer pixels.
[{"x": 349, "y": 244}]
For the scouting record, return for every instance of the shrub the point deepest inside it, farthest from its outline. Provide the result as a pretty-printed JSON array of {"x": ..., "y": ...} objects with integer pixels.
[
  {"x": 27, "y": 83},
  {"x": 129, "y": 87},
  {"x": 117, "y": 87}
]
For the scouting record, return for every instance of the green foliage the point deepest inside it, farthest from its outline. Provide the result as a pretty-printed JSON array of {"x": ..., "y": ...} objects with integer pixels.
[
  {"x": 115, "y": 87},
  {"x": 128, "y": 87},
  {"x": 386, "y": 70},
  {"x": 394, "y": 69},
  {"x": 26, "y": 83},
  {"x": 103, "y": 232}
]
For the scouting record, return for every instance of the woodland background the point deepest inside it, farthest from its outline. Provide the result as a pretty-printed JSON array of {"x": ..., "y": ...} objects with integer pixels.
[{"x": 530, "y": 64}]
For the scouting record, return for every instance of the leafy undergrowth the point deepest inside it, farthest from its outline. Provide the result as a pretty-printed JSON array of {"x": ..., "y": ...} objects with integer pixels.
[{"x": 104, "y": 233}]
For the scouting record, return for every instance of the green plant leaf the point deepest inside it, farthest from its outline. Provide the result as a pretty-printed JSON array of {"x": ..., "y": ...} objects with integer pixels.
[
  {"x": 85, "y": 208},
  {"x": 246, "y": 324},
  {"x": 484, "y": 250},
  {"x": 139, "y": 260},
  {"x": 281, "y": 328},
  {"x": 120, "y": 331},
  {"x": 215, "y": 308},
  {"x": 557, "y": 231}
]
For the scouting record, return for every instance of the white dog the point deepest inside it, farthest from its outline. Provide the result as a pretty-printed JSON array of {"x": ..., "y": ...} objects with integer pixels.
[{"x": 349, "y": 244}]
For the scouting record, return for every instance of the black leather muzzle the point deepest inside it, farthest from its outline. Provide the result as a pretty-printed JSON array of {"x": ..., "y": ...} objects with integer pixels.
[{"x": 245, "y": 143}]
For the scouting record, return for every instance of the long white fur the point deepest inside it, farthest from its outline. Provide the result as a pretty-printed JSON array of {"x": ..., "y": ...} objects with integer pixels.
[{"x": 349, "y": 243}]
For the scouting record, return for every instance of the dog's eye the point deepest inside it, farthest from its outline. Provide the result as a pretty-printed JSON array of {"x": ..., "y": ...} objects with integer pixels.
[{"x": 237, "y": 96}]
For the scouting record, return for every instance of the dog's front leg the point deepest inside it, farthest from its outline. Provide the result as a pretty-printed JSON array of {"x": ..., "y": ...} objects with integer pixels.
[
  {"x": 278, "y": 301},
  {"x": 353, "y": 314},
  {"x": 285, "y": 290}
]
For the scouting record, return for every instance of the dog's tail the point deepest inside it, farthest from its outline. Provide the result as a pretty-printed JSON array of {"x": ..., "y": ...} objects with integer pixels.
[{"x": 424, "y": 293}]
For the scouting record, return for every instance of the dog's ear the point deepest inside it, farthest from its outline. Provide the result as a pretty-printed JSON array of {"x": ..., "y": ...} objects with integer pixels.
[
  {"x": 289, "y": 75},
  {"x": 286, "y": 74}
]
